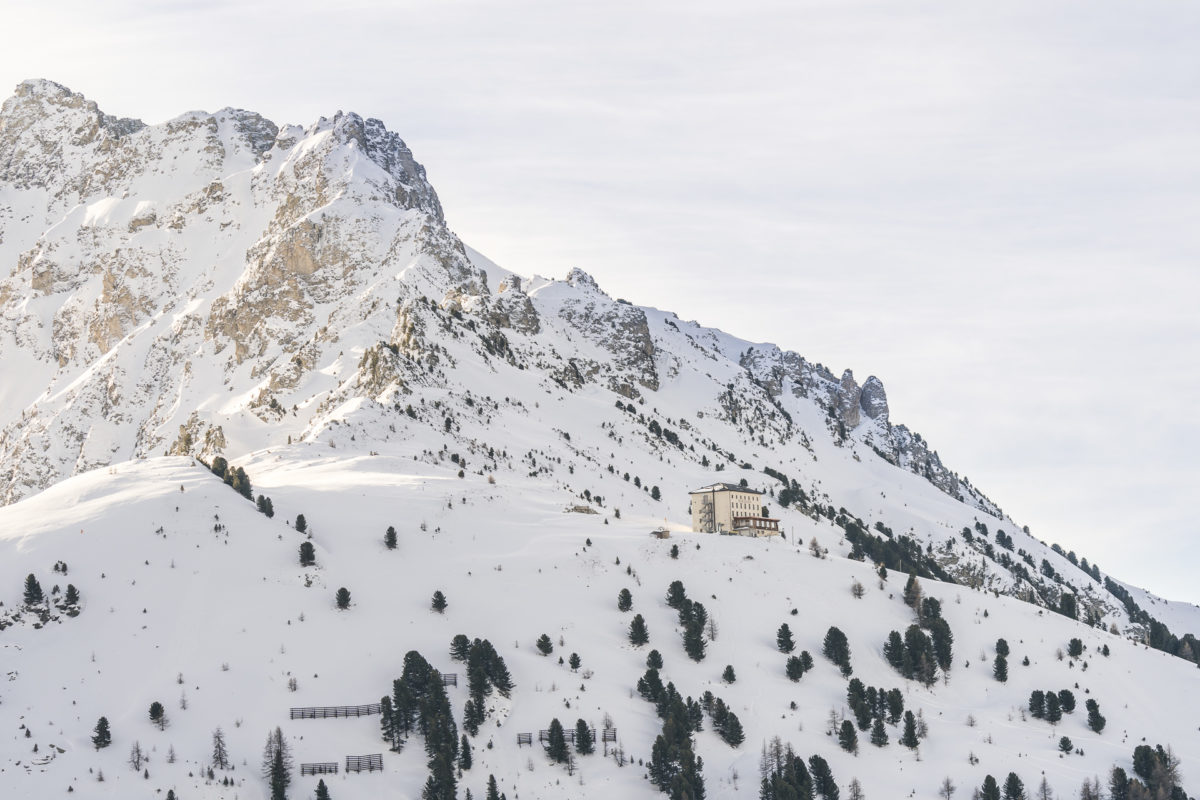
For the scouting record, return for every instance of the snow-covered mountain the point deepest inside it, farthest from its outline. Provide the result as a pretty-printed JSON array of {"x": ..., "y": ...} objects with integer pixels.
[{"x": 292, "y": 301}]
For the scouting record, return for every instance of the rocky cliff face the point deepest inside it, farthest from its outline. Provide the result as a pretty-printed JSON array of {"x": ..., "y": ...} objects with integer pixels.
[{"x": 220, "y": 284}]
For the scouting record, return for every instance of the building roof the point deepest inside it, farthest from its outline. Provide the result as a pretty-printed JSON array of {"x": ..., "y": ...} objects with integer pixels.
[{"x": 723, "y": 487}]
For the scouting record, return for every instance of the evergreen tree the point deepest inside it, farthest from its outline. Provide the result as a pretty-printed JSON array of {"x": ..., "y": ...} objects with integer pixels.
[
  {"x": 583, "y": 739},
  {"x": 912, "y": 592},
  {"x": 473, "y": 716},
  {"x": 943, "y": 643},
  {"x": 638, "y": 635},
  {"x": 674, "y": 551},
  {"x": 1014, "y": 789},
  {"x": 731, "y": 730},
  {"x": 693, "y": 640},
  {"x": 909, "y": 738},
  {"x": 624, "y": 600},
  {"x": 389, "y": 538},
  {"x": 676, "y": 595},
  {"x": 544, "y": 645},
  {"x": 220, "y": 753},
  {"x": 931, "y": 609},
  {"x": 438, "y": 603},
  {"x": 343, "y": 598},
  {"x": 33, "y": 592},
  {"x": 277, "y": 764},
  {"x": 783, "y": 639},
  {"x": 655, "y": 494},
  {"x": 219, "y": 467},
  {"x": 72, "y": 596},
  {"x": 1000, "y": 668},
  {"x": 822, "y": 778},
  {"x": 1037, "y": 704},
  {"x": 895, "y": 704},
  {"x": 1075, "y": 648},
  {"x": 1096, "y": 720},
  {"x": 729, "y": 676},
  {"x": 1066, "y": 745},
  {"x": 464, "y": 754},
  {"x": 158, "y": 715},
  {"x": 301, "y": 523},
  {"x": 654, "y": 660},
  {"x": 101, "y": 735},
  {"x": 837, "y": 650},
  {"x": 574, "y": 661},
  {"x": 893, "y": 651},
  {"x": 1053, "y": 709},
  {"x": 879, "y": 736},
  {"x": 493, "y": 793},
  {"x": 1002, "y": 648},
  {"x": 387, "y": 724},
  {"x": 1118, "y": 784},
  {"x": 848, "y": 737},
  {"x": 556, "y": 746},
  {"x": 794, "y": 669},
  {"x": 308, "y": 555},
  {"x": 1066, "y": 699},
  {"x": 241, "y": 484},
  {"x": 322, "y": 790},
  {"x": 460, "y": 647},
  {"x": 990, "y": 789}
]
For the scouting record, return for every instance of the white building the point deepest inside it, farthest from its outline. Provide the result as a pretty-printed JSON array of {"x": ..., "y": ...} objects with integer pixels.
[{"x": 726, "y": 508}]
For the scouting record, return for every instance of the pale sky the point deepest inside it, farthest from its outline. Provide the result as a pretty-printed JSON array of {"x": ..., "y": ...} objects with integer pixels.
[{"x": 995, "y": 208}]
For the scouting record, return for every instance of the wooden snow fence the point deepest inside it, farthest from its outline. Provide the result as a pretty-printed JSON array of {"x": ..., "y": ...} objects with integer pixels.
[
  {"x": 319, "y": 768},
  {"x": 524, "y": 738},
  {"x": 568, "y": 735},
  {"x": 449, "y": 679},
  {"x": 368, "y": 763},
  {"x": 609, "y": 735},
  {"x": 332, "y": 712}
]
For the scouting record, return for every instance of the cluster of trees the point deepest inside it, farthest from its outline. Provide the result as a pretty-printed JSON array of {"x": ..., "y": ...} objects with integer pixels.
[
  {"x": 871, "y": 706},
  {"x": 692, "y": 617},
  {"x": 725, "y": 722},
  {"x": 240, "y": 482},
  {"x": 556, "y": 745},
  {"x": 265, "y": 506},
  {"x": 419, "y": 703},
  {"x": 1158, "y": 776},
  {"x": 784, "y": 776},
  {"x": 1014, "y": 788},
  {"x": 486, "y": 672},
  {"x": 897, "y": 553},
  {"x": 918, "y": 656},
  {"x": 1051, "y": 705},
  {"x": 674, "y": 767},
  {"x": 837, "y": 649},
  {"x": 1160, "y": 636},
  {"x": 796, "y": 666},
  {"x": 34, "y": 599}
]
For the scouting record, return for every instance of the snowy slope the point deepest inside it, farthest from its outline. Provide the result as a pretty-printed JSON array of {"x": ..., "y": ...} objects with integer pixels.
[{"x": 188, "y": 601}]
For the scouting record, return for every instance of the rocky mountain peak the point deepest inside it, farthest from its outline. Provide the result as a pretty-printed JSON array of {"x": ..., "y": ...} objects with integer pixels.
[
  {"x": 386, "y": 150},
  {"x": 873, "y": 400},
  {"x": 38, "y": 95},
  {"x": 582, "y": 280}
]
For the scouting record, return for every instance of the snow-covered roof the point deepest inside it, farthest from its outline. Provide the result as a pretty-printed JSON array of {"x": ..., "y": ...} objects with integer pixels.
[{"x": 723, "y": 487}]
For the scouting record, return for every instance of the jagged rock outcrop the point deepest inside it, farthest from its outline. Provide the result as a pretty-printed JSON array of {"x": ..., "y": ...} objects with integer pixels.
[{"x": 849, "y": 397}]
